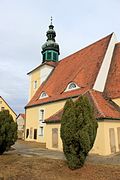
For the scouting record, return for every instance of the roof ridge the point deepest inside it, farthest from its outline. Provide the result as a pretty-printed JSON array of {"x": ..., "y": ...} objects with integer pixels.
[{"x": 110, "y": 35}]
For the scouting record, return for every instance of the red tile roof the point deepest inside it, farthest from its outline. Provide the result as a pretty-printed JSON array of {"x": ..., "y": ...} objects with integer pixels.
[
  {"x": 81, "y": 67},
  {"x": 55, "y": 117},
  {"x": 103, "y": 108},
  {"x": 112, "y": 89}
]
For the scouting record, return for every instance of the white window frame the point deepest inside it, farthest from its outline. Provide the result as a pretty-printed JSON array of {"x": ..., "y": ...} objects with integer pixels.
[
  {"x": 41, "y": 121},
  {"x": 70, "y": 89}
]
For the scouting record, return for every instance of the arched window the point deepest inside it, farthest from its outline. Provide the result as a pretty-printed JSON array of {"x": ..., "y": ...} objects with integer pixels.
[
  {"x": 43, "y": 95},
  {"x": 71, "y": 86}
]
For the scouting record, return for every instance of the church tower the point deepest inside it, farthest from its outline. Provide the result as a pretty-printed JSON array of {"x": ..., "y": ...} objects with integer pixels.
[{"x": 50, "y": 50}]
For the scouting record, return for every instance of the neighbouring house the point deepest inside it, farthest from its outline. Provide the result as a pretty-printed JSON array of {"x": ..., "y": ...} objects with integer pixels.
[
  {"x": 21, "y": 125},
  {"x": 4, "y": 106},
  {"x": 93, "y": 71}
]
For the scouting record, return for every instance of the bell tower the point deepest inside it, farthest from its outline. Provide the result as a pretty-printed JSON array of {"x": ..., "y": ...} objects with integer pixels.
[{"x": 50, "y": 49}]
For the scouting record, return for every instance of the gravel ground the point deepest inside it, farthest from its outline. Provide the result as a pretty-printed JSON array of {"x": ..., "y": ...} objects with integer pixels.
[
  {"x": 19, "y": 167},
  {"x": 28, "y": 161}
]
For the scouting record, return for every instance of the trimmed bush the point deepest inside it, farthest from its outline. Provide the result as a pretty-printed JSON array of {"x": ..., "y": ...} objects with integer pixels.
[
  {"x": 78, "y": 131},
  {"x": 8, "y": 131}
]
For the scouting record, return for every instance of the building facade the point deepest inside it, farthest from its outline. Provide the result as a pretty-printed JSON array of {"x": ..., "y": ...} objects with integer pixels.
[
  {"x": 4, "y": 106},
  {"x": 21, "y": 125},
  {"x": 94, "y": 72}
]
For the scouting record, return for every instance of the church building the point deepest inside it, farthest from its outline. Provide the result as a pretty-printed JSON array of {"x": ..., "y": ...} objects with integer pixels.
[{"x": 93, "y": 71}]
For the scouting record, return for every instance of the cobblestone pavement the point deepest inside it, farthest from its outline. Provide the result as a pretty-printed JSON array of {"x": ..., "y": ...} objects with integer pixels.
[{"x": 34, "y": 149}]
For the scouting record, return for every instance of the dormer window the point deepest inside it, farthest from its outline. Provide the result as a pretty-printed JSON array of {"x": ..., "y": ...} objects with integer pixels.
[
  {"x": 72, "y": 86},
  {"x": 43, "y": 95}
]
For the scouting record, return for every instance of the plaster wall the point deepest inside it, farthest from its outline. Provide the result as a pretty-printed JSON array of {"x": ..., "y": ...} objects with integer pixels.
[
  {"x": 4, "y": 105},
  {"x": 49, "y": 128},
  {"x": 34, "y": 76},
  {"x": 45, "y": 71},
  {"x": 111, "y": 124},
  {"x": 20, "y": 123},
  {"x": 102, "y": 142},
  {"x": 32, "y": 118},
  {"x": 40, "y": 75}
]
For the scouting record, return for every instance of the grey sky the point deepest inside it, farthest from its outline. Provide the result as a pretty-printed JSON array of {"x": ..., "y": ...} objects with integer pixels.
[{"x": 23, "y": 25}]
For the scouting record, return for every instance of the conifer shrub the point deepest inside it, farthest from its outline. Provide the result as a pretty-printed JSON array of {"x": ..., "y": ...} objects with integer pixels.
[
  {"x": 8, "y": 131},
  {"x": 78, "y": 131}
]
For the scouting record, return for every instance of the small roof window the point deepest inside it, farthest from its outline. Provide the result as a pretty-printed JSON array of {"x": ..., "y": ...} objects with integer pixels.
[
  {"x": 43, "y": 95},
  {"x": 72, "y": 86}
]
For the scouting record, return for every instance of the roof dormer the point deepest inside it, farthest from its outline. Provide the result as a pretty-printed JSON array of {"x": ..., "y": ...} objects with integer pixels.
[
  {"x": 71, "y": 86},
  {"x": 43, "y": 95}
]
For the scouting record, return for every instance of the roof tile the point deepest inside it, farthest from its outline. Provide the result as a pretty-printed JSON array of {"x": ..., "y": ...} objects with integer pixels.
[{"x": 103, "y": 108}]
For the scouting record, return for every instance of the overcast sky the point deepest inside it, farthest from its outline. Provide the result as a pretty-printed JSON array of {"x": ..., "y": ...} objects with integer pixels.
[{"x": 23, "y": 25}]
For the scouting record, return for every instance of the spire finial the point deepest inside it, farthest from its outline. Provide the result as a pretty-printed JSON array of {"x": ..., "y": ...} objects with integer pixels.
[{"x": 51, "y": 19}]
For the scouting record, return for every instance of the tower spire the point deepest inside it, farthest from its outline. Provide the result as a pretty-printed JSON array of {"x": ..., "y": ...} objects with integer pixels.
[{"x": 50, "y": 48}]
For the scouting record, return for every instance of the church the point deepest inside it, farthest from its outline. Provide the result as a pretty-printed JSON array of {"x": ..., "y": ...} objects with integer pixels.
[{"x": 93, "y": 71}]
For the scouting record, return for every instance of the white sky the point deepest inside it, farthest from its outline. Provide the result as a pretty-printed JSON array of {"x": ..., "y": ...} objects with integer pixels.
[{"x": 23, "y": 25}]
